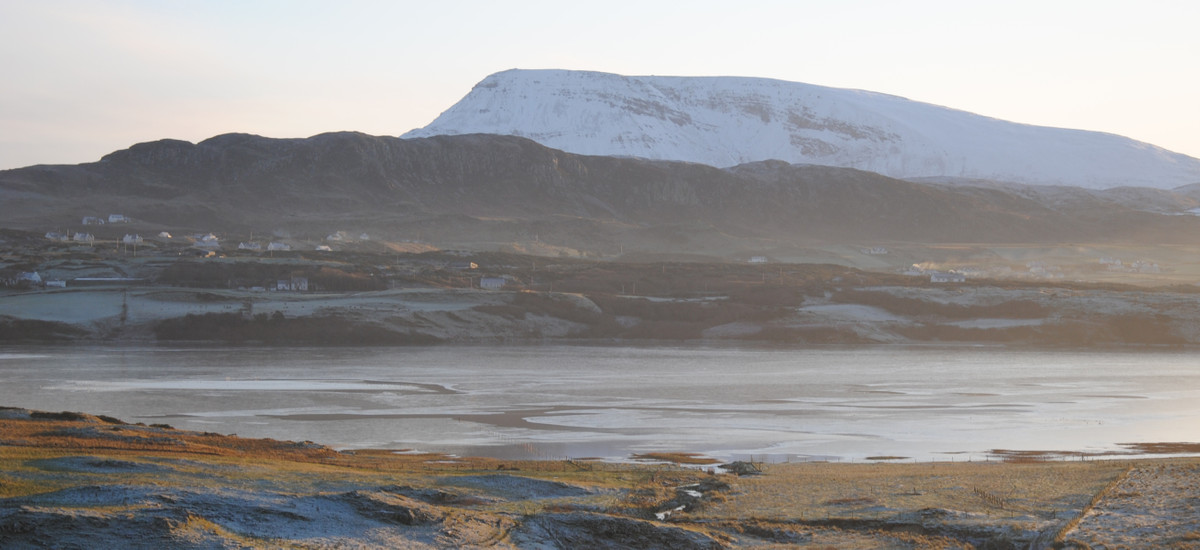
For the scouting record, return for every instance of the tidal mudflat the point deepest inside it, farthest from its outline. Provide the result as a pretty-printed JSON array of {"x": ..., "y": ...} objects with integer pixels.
[{"x": 552, "y": 402}]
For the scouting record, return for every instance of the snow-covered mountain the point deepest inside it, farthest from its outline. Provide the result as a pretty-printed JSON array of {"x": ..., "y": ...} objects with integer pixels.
[{"x": 725, "y": 121}]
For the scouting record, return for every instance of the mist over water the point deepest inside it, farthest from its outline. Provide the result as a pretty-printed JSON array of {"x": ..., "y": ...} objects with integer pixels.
[{"x": 610, "y": 402}]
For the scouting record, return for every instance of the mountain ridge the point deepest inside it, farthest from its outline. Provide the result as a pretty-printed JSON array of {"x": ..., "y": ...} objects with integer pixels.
[
  {"x": 495, "y": 189},
  {"x": 725, "y": 121}
]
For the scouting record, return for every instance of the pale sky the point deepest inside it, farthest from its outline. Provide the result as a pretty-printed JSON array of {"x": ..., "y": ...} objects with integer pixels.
[{"x": 83, "y": 78}]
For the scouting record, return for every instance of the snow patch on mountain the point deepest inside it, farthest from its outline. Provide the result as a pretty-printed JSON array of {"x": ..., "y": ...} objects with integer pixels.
[{"x": 725, "y": 121}]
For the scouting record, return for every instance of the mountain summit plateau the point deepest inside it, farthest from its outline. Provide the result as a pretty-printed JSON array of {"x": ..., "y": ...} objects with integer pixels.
[{"x": 726, "y": 121}]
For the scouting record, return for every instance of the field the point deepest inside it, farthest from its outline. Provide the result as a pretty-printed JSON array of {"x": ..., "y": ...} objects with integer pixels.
[
  {"x": 76, "y": 480},
  {"x": 394, "y": 299}
]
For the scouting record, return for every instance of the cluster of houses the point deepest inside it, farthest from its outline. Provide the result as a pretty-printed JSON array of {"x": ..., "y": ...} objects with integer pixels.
[
  {"x": 1033, "y": 269},
  {"x": 947, "y": 277},
  {"x": 83, "y": 236},
  {"x": 343, "y": 236},
  {"x": 202, "y": 241},
  {"x": 274, "y": 246},
  {"x": 112, "y": 218},
  {"x": 1137, "y": 266},
  {"x": 88, "y": 238},
  {"x": 32, "y": 279},
  {"x": 935, "y": 276},
  {"x": 78, "y": 236},
  {"x": 295, "y": 283}
]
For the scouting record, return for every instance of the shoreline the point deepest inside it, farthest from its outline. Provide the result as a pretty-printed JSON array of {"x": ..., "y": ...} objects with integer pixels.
[
  {"x": 66, "y": 478},
  {"x": 499, "y": 401},
  {"x": 987, "y": 314}
]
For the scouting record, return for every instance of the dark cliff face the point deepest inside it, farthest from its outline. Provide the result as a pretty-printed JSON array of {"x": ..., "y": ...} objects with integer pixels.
[{"x": 237, "y": 181}]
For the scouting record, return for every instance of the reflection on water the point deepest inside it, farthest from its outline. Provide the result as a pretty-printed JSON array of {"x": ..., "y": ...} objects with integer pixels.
[{"x": 610, "y": 402}]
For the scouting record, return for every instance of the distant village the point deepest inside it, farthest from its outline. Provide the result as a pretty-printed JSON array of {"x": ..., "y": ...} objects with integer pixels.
[{"x": 209, "y": 245}]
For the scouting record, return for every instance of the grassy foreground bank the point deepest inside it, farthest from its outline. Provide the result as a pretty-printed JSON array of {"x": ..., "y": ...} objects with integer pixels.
[{"x": 72, "y": 479}]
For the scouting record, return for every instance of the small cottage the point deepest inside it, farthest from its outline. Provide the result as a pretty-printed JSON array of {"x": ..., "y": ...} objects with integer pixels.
[
  {"x": 947, "y": 277},
  {"x": 492, "y": 283},
  {"x": 294, "y": 284}
]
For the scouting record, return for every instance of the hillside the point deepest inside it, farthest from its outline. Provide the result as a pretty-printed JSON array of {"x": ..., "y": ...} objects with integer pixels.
[
  {"x": 482, "y": 191},
  {"x": 725, "y": 121}
]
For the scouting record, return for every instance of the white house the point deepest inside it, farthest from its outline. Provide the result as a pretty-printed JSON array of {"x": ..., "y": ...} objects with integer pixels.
[
  {"x": 83, "y": 238},
  {"x": 276, "y": 245},
  {"x": 758, "y": 259},
  {"x": 30, "y": 277},
  {"x": 324, "y": 248},
  {"x": 56, "y": 236},
  {"x": 298, "y": 284},
  {"x": 492, "y": 283},
  {"x": 249, "y": 246},
  {"x": 132, "y": 239},
  {"x": 117, "y": 218},
  {"x": 947, "y": 277},
  {"x": 1143, "y": 266},
  {"x": 92, "y": 220}
]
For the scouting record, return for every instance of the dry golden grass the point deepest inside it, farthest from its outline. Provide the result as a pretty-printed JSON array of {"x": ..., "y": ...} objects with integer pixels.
[{"x": 813, "y": 491}]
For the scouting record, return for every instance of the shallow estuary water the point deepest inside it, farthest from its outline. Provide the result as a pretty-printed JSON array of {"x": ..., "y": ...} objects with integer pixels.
[{"x": 612, "y": 401}]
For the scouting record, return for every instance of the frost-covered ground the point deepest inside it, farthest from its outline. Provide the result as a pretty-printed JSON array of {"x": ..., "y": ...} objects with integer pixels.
[
  {"x": 1017, "y": 315},
  {"x": 75, "y": 480},
  {"x": 1155, "y": 505}
]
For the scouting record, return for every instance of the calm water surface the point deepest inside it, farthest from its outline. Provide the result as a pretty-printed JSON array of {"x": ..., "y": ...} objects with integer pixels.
[{"x": 585, "y": 401}]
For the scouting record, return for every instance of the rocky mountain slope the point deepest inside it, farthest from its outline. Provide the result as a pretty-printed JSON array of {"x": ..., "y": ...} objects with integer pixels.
[
  {"x": 494, "y": 189},
  {"x": 725, "y": 121}
]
